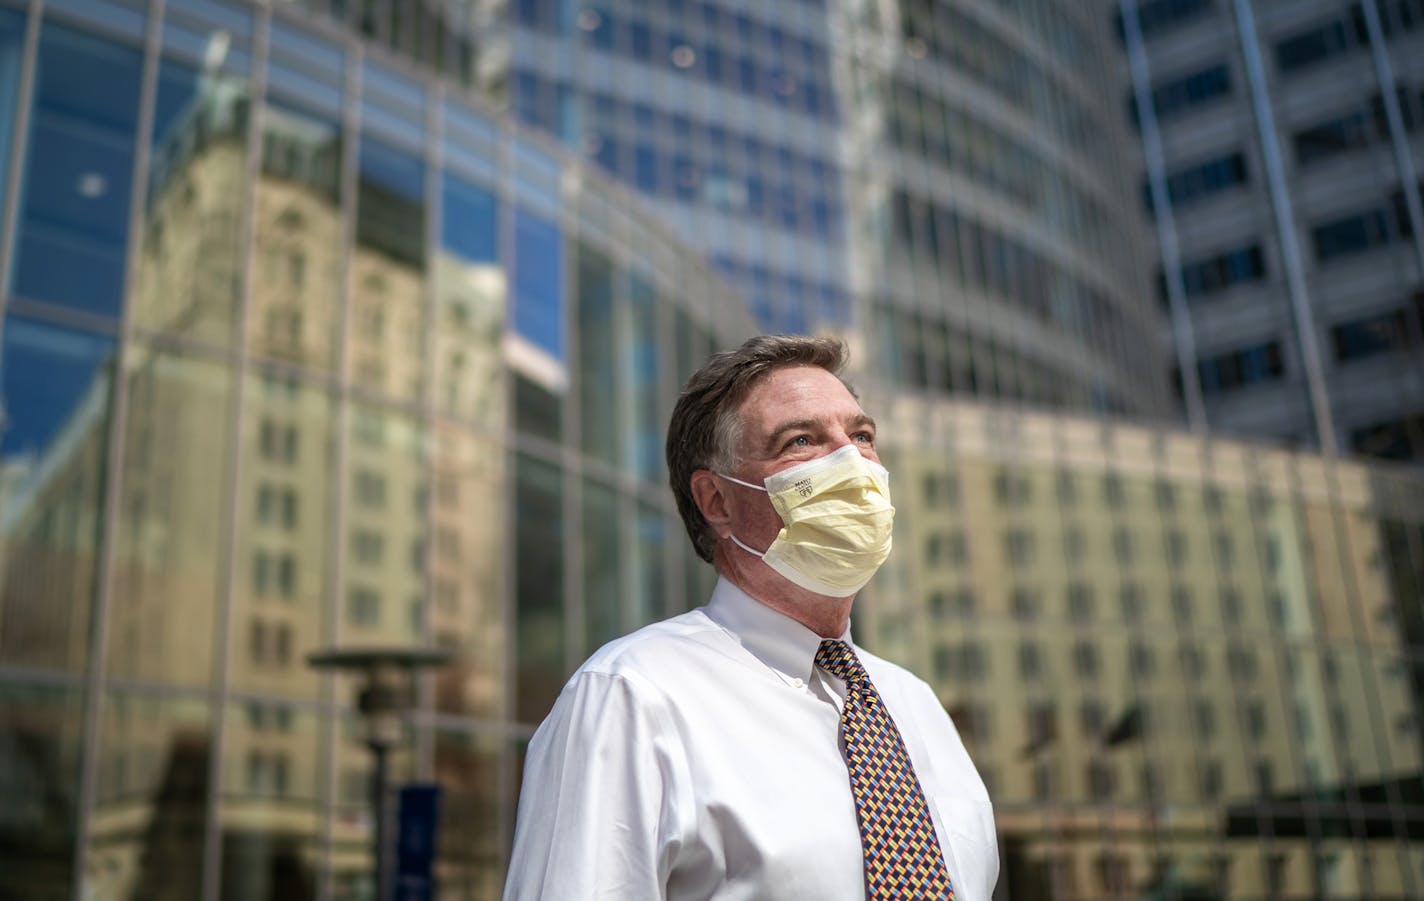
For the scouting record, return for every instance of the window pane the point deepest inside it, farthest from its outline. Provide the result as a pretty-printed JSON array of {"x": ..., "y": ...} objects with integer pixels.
[
  {"x": 469, "y": 495},
  {"x": 598, "y": 411},
  {"x": 40, "y": 782},
  {"x": 279, "y": 574},
  {"x": 539, "y": 587},
  {"x": 539, "y": 285},
  {"x": 55, "y": 386},
  {"x": 353, "y": 870},
  {"x": 272, "y": 781},
  {"x": 12, "y": 33},
  {"x": 296, "y": 254},
  {"x": 154, "y": 753},
  {"x": 644, "y": 361},
  {"x": 388, "y": 274},
  {"x": 74, "y": 216},
  {"x": 189, "y": 271},
  {"x": 173, "y": 515},
  {"x": 469, "y": 861},
  {"x": 650, "y": 589},
  {"x": 387, "y": 545},
  {"x": 602, "y": 579},
  {"x": 470, "y": 299}
]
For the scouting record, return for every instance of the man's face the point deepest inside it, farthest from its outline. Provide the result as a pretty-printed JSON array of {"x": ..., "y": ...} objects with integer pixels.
[{"x": 796, "y": 414}]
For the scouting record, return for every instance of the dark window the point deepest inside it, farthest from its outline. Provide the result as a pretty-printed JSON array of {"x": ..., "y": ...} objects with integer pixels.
[
  {"x": 1214, "y": 274},
  {"x": 1352, "y": 234},
  {"x": 1333, "y": 137},
  {"x": 1030, "y": 660},
  {"x": 1373, "y": 335},
  {"x": 1181, "y": 95},
  {"x": 1157, "y": 16},
  {"x": 1395, "y": 439},
  {"x": 1240, "y": 368},
  {"x": 1201, "y": 180},
  {"x": 1085, "y": 659},
  {"x": 1313, "y": 46}
]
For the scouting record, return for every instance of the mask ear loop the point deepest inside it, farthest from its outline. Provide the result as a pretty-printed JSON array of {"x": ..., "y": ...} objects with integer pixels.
[
  {"x": 738, "y": 542},
  {"x": 735, "y": 540},
  {"x": 761, "y": 488}
]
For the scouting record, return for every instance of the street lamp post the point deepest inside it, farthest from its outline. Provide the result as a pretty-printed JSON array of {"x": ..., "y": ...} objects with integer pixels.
[{"x": 387, "y": 692}]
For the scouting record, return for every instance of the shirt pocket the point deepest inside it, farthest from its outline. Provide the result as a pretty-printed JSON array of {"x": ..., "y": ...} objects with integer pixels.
[{"x": 973, "y": 849}]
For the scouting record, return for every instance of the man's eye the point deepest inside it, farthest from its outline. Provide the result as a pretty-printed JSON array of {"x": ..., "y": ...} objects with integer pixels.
[
  {"x": 865, "y": 437},
  {"x": 799, "y": 441}
]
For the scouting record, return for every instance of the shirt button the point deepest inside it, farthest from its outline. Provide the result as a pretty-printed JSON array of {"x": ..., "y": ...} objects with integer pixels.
[{"x": 799, "y": 683}]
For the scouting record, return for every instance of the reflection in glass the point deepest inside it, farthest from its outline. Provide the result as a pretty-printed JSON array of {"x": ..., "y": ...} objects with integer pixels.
[
  {"x": 279, "y": 573},
  {"x": 39, "y": 780},
  {"x": 597, "y": 374},
  {"x": 350, "y": 865},
  {"x": 386, "y": 532},
  {"x": 650, "y": 591},
  {"x": 79, "y": 172},
  {"x": 539, "y": 586},
  {"x": 296, "y": 254},
  {"x": 644, "y": 364},
  {"x": 272, "y": 792},
  {"x": 55, "y": 386},
  {"x": 602, "y": 580},
  {"x": 173, "y": 518},
  {"x": 535, "y": 345},
  {"x": 146, "y": 834},
  {"x": 470, "y": 301},
  {"x": 388, "y": 318},
  {"x": 1217, "y": 702},
  {"x": 469, "y": 495},
  {"x": 189, "y": 272},
  {"x": 12, "y": 35},
  {"x": 469, "y": 863}
]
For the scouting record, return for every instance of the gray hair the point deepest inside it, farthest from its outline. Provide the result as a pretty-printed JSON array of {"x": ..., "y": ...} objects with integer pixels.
[{"x": 706, "y": 425}]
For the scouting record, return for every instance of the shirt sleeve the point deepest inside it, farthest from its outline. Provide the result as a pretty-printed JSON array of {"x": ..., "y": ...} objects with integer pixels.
[{"x": 597, "y": 811}]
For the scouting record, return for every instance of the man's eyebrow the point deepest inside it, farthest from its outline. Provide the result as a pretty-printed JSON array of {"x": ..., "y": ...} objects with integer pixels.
[
  {"x": 864, "y": 419},
  {"x": 773, "y": 441}
]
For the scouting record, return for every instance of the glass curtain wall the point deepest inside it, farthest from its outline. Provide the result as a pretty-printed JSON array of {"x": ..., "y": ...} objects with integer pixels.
[{"x": 300, "y": 349}]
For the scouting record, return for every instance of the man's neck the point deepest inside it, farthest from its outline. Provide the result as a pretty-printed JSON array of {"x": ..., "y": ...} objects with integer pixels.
[{"x": 828, "y": 617}]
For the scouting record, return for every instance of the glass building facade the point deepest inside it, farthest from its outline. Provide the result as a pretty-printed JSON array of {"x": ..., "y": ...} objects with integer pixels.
[
  {"x": 998, "y": 254},
  {"x": 358, "y": 323},
  {"x": 302, "y": 349},
  {"x": 1186, "y": 668},
  {"x": 726, "y": 118}
]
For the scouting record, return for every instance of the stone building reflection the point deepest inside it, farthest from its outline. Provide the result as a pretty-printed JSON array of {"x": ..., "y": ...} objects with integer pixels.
[
  {"x": 1161, "y": 651},
  {"x": 412, "y": 558}
]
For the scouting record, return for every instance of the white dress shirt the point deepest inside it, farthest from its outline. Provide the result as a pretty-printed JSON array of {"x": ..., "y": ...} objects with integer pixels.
[{"x": 699, "y": 758}]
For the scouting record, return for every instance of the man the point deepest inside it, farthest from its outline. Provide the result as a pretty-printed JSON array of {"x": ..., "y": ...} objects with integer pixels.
[{"x": 746, "y": 750}]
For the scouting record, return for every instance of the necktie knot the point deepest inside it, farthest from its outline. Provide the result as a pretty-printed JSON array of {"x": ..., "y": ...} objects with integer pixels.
[{"x": 838, "y": 659}]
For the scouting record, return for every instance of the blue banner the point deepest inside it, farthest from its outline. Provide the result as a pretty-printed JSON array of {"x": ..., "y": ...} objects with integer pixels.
[{"x": 415, "y": 842}]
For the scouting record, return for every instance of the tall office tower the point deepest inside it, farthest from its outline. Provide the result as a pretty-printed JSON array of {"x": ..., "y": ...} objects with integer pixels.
[
  {"x": 994, "y": 243},
  {"x": 1282, "y": 164},
  {"x": 725, "y": 116},
  {"x": 941, "y": 177}
]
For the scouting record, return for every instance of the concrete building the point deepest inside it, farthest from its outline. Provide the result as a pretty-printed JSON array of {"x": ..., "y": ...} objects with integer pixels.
[{"x": 1282, "y": 169}]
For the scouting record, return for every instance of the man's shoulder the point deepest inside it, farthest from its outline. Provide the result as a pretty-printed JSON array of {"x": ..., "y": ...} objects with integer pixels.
[{"x": 653, "y": 649}]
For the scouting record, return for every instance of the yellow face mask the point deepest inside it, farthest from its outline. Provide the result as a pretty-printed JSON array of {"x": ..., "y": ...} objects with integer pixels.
[{"x": 837, "y": 522}]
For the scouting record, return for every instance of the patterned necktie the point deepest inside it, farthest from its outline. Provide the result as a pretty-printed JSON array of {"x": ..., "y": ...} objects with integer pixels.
[{"x": 902, "y": 853}]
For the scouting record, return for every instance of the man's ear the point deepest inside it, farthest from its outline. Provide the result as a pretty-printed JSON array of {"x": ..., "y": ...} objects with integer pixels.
[{"x": 711, "y": 500}]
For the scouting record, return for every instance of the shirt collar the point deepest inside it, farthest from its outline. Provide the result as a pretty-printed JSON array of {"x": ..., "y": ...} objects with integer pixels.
[{"x": 772, "y": 637}]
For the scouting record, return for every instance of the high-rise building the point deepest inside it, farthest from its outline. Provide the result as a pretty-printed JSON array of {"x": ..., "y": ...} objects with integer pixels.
[
  {"x": 1282, "y": 169},
  {"x": 334, "y": 323}
]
